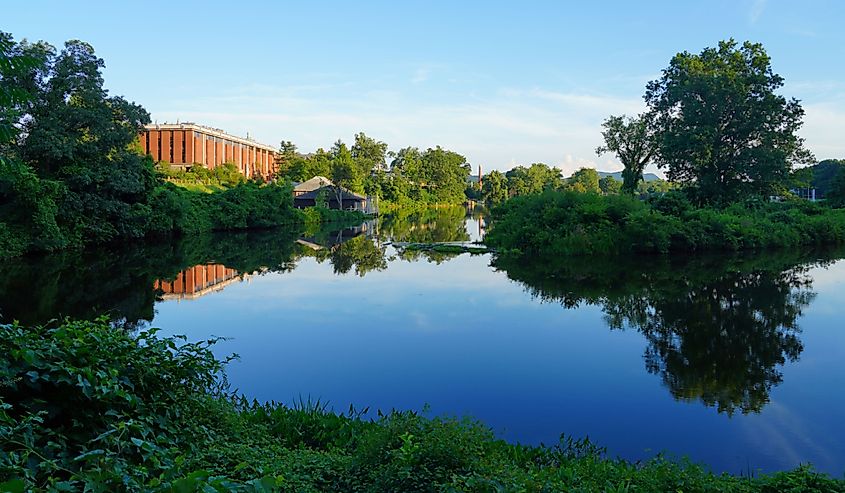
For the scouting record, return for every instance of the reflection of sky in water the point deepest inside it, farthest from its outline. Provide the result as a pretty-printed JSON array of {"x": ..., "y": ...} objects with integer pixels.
[{"x": 467, "y": 340}]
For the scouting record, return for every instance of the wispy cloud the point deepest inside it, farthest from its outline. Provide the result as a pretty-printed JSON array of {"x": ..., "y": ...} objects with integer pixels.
[
  {"x": 496, "y": 129},
  {"x": 421, "y": 75},
  {"x": 506, "y": 127},
  {"x": 756, "y": 10}
]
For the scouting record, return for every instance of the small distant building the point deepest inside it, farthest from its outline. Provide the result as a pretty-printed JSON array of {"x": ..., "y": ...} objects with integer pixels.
[
  {"x": 806, "y": 194},
  {"x": 188, "y": 144},
  {"x": 350, "y": 201},
  {"x": 310, "y": 185}
]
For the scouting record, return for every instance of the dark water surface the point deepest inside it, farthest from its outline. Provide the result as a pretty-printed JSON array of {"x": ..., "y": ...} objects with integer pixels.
[{"x": 736, "y": 362}]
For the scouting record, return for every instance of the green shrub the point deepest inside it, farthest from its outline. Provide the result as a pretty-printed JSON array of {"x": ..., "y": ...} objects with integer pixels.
[
  {"x": 570, "y": 223},
  {"x": 86, "y": 406}
]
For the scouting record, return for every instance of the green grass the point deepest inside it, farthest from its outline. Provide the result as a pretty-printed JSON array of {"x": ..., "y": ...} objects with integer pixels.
[
  {"x": 85, "y": 406},
  {"x": 198, "y": 187}
]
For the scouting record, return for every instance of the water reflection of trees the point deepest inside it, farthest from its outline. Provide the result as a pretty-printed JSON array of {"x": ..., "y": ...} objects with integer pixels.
[
  {"x": 360, "y": 253},
  {"x": 432, "y": 225},
  {"x": 426, "y": 225},
  {"x": 119, "y": 281},
  {"x": 718, "y": 329}
]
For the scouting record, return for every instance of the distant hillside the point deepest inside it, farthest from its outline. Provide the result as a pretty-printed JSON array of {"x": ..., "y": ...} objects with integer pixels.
[{"x": 618, "y": 175}]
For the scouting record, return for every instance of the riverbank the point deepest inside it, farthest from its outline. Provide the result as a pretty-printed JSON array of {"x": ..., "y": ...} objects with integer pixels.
[
  {"x": 173, "y": 210},
  {"x": 87, "y": 405},
  {"x": 570, "y": 223}
]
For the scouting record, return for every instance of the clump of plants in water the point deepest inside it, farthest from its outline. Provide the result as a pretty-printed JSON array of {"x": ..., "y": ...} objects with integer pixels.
[
  {"x": 447, "y": 248},
  {"x": 84, "y": 406}
]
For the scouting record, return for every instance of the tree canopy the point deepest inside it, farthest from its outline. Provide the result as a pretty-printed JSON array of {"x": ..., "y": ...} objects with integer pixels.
[
  {"x": 721, "y": 127},
  {"x": 633, "y": 142},
  {"x": 584, "y": 180}
]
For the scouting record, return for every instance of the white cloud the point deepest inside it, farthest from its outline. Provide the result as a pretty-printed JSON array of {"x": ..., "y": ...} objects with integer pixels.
[
  {"x": 823, "y": 124},
  {"x": 510, "y": 126},
  {"x": 498, "y": 130}
]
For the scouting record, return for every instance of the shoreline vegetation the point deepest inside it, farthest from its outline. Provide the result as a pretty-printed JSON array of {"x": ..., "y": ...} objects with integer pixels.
[
  {"x": 568, "y": 223},
  {"x": 87, "y": 406}
]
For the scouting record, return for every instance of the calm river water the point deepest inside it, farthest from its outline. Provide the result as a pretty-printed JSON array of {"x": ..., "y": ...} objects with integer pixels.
[{"x": 735, "y": 362}]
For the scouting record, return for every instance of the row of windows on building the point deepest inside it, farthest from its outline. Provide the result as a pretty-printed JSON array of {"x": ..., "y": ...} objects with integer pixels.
[{"x": 197, "y": 135}]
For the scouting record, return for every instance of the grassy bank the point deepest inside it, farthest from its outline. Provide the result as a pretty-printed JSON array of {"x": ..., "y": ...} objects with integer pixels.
[
  {"x": 87, "y": 406},
  {"x": 569, "y": 223}
]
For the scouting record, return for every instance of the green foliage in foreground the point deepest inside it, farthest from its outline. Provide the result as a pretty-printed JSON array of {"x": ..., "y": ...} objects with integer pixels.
[
  {"x": 86, "y": 406},
  {"x": 565, "y": 223}
]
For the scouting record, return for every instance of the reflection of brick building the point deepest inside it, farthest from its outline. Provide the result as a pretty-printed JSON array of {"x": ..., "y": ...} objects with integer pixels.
[
  {"x": 187, "y": 144},
  {"x": 198, "y": 281}
]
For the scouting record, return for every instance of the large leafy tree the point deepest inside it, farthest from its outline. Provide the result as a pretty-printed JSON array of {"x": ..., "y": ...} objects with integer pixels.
[
  {"x": 448, "y": 172},
  {"x": 345, "y": 175},
  {"x": 633, "y": 141},
  {"x": 75, "y": 133},
  {"x": 610, "y": 185},
  {"x": 368, "y": 153},
  {"x": 29, "y": 204},
  {"x": 533, "y": 179},
  {"x": 494, "y": 187},
  {"x": 584, "y": 180},
  {"x": 722, "y": 128}
]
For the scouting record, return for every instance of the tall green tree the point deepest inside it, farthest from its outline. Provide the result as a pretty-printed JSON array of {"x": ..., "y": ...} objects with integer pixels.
[
  {"x": 610, "y": 185},
  {"x": 633, "y": 141},
  {"x": 584, "y": 180},
  {"x": 369, "y": 154},
  {"x": 345, "y": 175},
  {"x": 285, "y": 158},
  {"x": 28, "y": 204},
  {"x": 447, "y": 173},
  {"x": 79, "y": 135},
  {"x": 494, "y": 187},
  {"x": 533, "y": 179},
  {"x": 722, "y": 128}
]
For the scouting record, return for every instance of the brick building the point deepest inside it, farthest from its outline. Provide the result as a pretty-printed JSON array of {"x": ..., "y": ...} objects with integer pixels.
[{"x": 187, "y": 144}]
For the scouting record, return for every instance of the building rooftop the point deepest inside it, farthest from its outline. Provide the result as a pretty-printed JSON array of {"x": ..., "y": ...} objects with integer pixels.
[
  {"x": 346, "y": 195},
  {"x": 312, "y": 184},
  {"x": 214, "y": 132}
]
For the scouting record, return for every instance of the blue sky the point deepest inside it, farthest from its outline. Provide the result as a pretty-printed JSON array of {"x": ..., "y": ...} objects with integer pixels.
[{"x": 503, "y": 83}]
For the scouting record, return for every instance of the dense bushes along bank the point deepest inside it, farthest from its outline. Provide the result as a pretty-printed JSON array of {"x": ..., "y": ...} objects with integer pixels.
[
  {"x": 567, "y": 223},
  {"x": 84, "y": 405},
  {"x": 171, "y": 209}
]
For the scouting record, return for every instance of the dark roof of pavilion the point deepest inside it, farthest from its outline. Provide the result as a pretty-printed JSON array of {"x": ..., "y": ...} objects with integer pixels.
[{"x": 331, "y": 195}]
